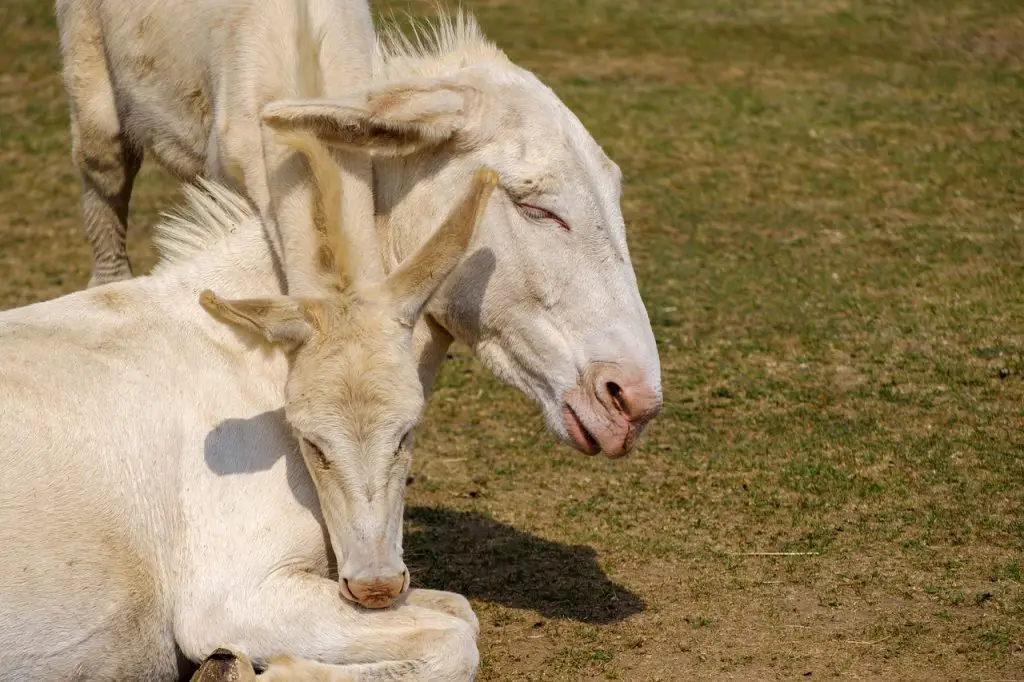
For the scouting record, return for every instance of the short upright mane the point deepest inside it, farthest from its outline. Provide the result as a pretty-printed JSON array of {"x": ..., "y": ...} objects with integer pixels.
[
  {"x": 209, "y": 213},
  {"x": 432, "y": 48}
]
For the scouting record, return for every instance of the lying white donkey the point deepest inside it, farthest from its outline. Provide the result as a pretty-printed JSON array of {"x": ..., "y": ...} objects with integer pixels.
[{"x": 154, "y": 504}]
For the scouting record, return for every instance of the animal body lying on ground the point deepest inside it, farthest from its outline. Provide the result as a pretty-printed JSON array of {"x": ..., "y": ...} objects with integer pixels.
[{"x": 179, "y": 464}]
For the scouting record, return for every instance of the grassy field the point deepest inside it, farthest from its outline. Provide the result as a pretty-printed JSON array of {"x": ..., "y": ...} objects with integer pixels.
[{"x": 825, "y": 201}]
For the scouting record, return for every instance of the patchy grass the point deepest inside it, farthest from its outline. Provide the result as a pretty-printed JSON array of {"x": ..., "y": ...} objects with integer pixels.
[{"x": 827, "y": 220}]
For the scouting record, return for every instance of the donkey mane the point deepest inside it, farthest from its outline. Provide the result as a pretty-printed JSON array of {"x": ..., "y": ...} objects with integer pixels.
[
  {"x": 209, "y": 213},
  {"x": 436, "y": 47}
]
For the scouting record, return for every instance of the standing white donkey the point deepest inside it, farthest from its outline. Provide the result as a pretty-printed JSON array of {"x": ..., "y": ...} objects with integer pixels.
[
  {"x": 164, "y": 472},
  {"x": 186, "y": 81}
]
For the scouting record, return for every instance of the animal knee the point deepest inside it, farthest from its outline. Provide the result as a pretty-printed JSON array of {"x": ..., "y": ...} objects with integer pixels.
[
  {"x": 454, "y": 656},
  {"x": 450, "y": 603},
  {"x": 97, "y": 144},
  {"x": 459, "y": 606},
  {"x": 201, "y": 629},
  {"x": 104, "y": 160}
]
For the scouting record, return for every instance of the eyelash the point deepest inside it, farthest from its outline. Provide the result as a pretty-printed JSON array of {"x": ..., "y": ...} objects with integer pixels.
[
  {"x": 538, "y": 213},
  {"x": 318, "y": 454}
]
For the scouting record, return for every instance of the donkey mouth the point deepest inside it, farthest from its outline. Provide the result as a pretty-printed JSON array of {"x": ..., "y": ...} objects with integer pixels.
[{"x": 582, "y": 439}]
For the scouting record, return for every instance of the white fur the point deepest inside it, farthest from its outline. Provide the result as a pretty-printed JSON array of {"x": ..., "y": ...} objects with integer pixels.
[
  {"x": 210, "y": 212},
  {"x": 541, "y": 307},
  {"x": 185, "y": 82},
  {"x": 154, "y": 499},
  {"x": 557, "y": 314}
]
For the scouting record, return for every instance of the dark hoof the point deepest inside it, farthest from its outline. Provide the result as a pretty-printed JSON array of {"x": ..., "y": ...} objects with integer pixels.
[{"x": 224, "y": 666}]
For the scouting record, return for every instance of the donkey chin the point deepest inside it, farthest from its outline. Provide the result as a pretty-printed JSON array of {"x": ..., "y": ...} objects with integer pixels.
[{"x": 608, "y": 408}]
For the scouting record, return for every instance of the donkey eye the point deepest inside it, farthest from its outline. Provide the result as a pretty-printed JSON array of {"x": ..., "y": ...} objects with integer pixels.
[
  {"x": 538, "y": 213},
  {"x": 404, "y": 443},
  {"x": 318, "y": 455}
]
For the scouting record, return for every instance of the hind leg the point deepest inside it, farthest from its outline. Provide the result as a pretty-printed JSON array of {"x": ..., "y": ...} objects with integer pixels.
[
  {"x": 108, "y": 164},
  {"x": 106, "y": 159}
]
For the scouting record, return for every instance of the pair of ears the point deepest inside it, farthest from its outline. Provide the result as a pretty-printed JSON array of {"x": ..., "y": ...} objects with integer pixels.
[
  {"x": 396, "y": 119},
  {"x": 289, "y": 322}
]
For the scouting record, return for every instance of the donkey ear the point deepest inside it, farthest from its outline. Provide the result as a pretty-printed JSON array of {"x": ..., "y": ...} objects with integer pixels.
[
  {"x": 281, "y": 320},
  {"x": 393, "y": 120},
  {"x": 417, "y": 277}
]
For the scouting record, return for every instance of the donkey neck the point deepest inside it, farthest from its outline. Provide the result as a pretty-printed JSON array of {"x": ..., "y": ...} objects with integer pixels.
[{"x": 239, "y": 265}]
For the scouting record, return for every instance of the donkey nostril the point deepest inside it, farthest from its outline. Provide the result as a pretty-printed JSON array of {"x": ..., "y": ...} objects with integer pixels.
[{"x": 615, "y": 391}]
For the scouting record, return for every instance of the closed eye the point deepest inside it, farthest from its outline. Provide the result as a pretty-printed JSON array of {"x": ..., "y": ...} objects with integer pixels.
[
  {"x": 538, "y": 213},
  {"x": 318, "y": 455}
]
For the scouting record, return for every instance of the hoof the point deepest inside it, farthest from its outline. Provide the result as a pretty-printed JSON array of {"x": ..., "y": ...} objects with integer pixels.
[{"x": 225, "y": 666}]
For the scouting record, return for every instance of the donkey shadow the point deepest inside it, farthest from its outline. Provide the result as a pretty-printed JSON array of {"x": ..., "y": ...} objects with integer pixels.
[{"x": 476, "y": 556}]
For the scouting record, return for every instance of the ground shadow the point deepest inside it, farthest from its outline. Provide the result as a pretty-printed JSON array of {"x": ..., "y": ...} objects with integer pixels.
[{"x": 469, "y": 553}]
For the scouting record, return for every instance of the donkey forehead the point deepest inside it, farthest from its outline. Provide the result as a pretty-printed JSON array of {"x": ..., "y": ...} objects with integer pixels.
[
  {"x": 358, "y": 389},
  {"x": 349, "y": 427},
  {"x": 546, "y": 149},
  {"x": 352, "y": 322},
  {"x": 362, "y": 352},
  {"x": 539, "y": 130},
  {"x": 360, "y": 349}
]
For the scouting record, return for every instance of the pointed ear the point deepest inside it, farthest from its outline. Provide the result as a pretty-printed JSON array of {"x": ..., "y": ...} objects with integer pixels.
[
  {"x": 417, "y": 277},
  {"x": 281, "y": 321},
  {"x": 337, "y": 257},
  {"x": 393, "y": 120}
]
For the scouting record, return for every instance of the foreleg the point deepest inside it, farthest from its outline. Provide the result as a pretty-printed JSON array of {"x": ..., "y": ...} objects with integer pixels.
[{"x": 301, "y": 616}]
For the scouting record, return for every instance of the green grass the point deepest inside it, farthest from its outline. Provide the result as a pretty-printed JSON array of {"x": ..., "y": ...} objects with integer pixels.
[{"x": 826, "y": 215}]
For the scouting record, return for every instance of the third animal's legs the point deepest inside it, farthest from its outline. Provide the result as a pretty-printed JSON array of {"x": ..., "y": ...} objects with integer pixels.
[{"x": 106, "y": 159}]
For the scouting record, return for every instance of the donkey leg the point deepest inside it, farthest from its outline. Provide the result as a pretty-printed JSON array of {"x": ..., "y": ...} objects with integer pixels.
[
  {"x": 224, "y": 666},
  {"x": 108, "y": 164},
  {"x": 303, "y": 617},
  {"x": 288, "y": 669},
  {"x": 107, "y": 161},
  {"x": 446, "y": 602}
]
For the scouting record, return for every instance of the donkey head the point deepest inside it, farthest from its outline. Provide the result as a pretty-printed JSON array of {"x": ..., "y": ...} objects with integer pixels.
[
  {"x": 547, "y": 298},
  {"x": 353, "y": 393}
]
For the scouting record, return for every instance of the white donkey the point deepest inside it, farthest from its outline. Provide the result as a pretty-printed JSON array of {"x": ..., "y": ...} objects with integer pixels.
[
  {"x": 162, "y": 469},
  {"x": 547, "y": 300},
  {"x": 187, "y": 81}
]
